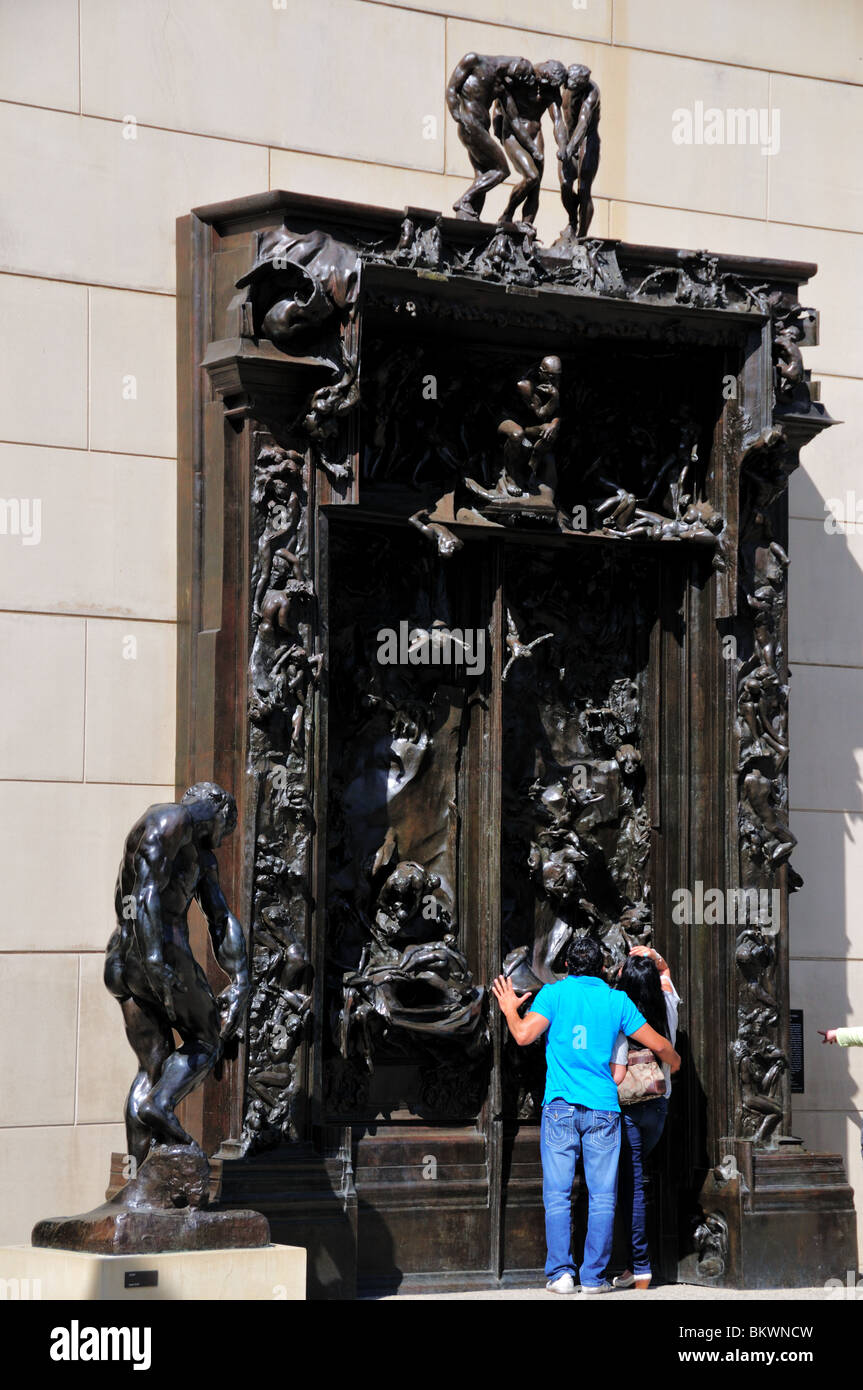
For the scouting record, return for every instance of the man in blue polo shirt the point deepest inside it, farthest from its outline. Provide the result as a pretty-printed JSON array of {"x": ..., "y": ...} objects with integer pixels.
[{"x": 581, "y": 1113}]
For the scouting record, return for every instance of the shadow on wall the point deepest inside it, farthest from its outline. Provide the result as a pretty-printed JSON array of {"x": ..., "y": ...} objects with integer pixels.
[{"x": 826, "y": 784}]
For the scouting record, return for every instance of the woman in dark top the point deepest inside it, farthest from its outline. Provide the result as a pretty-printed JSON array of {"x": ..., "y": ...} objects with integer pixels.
[{"x": 646, "y": 979}]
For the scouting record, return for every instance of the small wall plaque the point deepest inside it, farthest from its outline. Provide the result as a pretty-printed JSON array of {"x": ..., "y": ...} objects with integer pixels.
[
  {"x": 141, "y": 1279},
  {"x": 798, "y": 1083}
]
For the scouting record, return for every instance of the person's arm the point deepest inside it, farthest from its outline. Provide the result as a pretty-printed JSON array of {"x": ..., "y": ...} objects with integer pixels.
[
  {"x": 618, "y": 1058},
  {"x": 845, "y": 1037},
  {"x": 659, "y": 1046},
  {"x": 659, "y": 961},
  {"x": 524, "y": 1030},
  {"x": 229, "y": 944}
]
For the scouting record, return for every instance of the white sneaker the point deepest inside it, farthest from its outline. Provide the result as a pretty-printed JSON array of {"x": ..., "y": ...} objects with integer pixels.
[
  {"x": 604, "y": 1287},
  {"x": 564, "y": 1283}
]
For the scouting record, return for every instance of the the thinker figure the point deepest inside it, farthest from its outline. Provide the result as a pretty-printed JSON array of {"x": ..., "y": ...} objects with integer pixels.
[
  {"x": 168, "y": 860},
  {"x": 528, "y": 467},
  {"x": 529, "y": 449}
]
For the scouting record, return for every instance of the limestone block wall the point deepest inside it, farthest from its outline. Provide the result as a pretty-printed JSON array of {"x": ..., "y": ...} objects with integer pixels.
[{"x": 115, "y": 118}]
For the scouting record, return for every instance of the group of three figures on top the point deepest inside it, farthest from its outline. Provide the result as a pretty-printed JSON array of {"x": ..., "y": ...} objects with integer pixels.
[{"x": 510, "y": 96}]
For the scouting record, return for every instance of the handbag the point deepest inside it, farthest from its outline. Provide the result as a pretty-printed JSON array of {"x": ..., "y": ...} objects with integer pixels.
[{"x": 644, "y": 1079}]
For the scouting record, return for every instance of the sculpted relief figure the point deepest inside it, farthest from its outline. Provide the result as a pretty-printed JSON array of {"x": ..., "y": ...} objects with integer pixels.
[
  {"x": 300, "y": 283},
  {"x": 760, "y": 1066},
  {"x": 301, "y": 296},
  {"x": 278, "y": 480},
  {"x": 789, "y": 370},
  {"x": 169, "y": 859}
]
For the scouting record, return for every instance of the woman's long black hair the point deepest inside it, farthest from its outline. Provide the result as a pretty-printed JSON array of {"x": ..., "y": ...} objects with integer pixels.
[{"x": 641, "y": 980}]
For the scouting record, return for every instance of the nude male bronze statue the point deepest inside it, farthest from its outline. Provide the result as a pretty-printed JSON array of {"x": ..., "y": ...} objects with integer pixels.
[
  {"x": 168, "y": 860},
  {"x": 492, "y": 96},
  {"x": 577, "y": 132},
  {"x": 474, "y": 87},
  {"x": 523, "y": 100}
]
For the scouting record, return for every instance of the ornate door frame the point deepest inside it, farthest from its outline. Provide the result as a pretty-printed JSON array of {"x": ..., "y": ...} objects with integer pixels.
[{"x": 276, "y": 294}]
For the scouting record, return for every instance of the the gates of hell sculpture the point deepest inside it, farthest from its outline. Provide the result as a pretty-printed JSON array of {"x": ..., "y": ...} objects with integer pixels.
[{"x": 483, "y": 620}]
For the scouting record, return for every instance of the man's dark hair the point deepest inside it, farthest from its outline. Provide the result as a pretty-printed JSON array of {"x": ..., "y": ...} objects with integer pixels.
[{"x": 583, "y": 956}]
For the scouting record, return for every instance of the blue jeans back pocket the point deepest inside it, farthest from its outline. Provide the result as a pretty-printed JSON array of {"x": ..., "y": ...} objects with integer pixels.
[
  {"x": 556, "y": 1126},
  {"x": 606, "y": 1128}
]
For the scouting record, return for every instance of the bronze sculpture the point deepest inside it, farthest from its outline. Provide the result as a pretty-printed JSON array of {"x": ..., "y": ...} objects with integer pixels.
[
  {"x": 509, "y": 97},
  {"x": 149, "y": 968},
  {"x": 524, "y": 98},
  {"x": 578, "y": 143},
  {"x": 527, "y": 473},
  {"x": 473, "y": 88},
  {"x": 410, "y": 823},
  {"x": 169, "y": 860}
]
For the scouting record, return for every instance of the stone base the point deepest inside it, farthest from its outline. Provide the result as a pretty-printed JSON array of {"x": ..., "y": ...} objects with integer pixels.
[
  {"x": 779, "y": 1218},
  {"x": 109, "y": 1231},
  {"x": 163, "y": 1208},
  {"x": 275, "y": 1272}
]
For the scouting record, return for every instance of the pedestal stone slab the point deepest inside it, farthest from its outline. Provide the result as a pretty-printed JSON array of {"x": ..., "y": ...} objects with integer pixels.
[
  {"x": 108, "y": 1230},
  {"x": 164, "y": 1208},
  {"x": 271, "y": 1272}
]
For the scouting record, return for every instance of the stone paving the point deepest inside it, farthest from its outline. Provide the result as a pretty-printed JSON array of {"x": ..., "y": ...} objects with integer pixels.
[{"x": 663, "y": 1293}]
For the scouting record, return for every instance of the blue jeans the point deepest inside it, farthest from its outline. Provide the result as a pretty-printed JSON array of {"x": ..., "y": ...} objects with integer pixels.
[
  {"x": 642, "y": 1130},
  {"x": 567, "y": 1131}
]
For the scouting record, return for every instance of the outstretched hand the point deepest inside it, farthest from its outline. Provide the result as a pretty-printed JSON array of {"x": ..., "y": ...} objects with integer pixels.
[
  {"x": 504, "y": 993},
  {"x": 827, "y": 1035}
]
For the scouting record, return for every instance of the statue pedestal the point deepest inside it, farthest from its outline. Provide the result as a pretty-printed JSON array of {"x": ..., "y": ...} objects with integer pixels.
[
  {"x": 110, "y": 1230},
  {"x": 164, "y": 1208},
  {"x": 271, "y": 1272},
  {"x": 777, "y": 1218}
]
